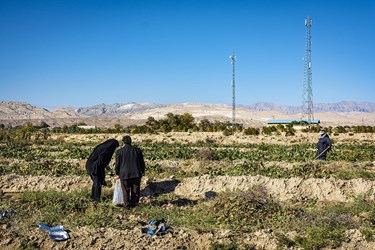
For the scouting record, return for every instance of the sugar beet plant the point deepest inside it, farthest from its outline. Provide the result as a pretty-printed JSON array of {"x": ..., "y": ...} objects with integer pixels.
[
  {"x": 258, "y": 152},
  {"x": 165, "y": 151},
  {"x": 59, "y": 158}
]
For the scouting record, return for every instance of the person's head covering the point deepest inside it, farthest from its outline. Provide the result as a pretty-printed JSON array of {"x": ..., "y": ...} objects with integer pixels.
[
  {"x": 105, "y": 150},
  {"x": 108, "y": 147},
  {"x": 127, "y": 139},
  {"x": 322, "y": 133}
]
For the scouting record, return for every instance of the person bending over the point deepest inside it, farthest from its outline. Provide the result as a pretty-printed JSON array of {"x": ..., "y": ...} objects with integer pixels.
[{"x": 96, "y": 164}]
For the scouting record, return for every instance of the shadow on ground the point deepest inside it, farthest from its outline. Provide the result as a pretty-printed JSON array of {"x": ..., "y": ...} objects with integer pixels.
[
  {"x": 181, "y": 202},
  {"x": 162, "y": 187}
]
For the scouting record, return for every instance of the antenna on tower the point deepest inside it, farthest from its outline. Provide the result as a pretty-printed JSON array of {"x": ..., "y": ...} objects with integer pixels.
[
  {"x": 233, "y": 62},
  {"x": 307, "y": 95}
]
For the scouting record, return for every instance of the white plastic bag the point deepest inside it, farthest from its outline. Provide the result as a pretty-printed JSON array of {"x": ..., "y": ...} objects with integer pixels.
[{"x": 118, "y": 198}]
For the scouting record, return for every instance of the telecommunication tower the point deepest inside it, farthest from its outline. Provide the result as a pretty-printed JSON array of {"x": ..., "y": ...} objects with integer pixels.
[
  {"x": 307, "y": 82},
  {"x": 233, "y": 62}
]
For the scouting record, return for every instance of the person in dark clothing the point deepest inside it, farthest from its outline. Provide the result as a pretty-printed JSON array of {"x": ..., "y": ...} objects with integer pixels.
[
  {"x": 97, "y": 162},
  {"x": 324, "y": 144},
  {"x": 130, "y": 167}
]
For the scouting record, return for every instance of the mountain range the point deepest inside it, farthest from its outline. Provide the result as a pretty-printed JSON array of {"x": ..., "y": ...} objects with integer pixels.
[
  {"x": 118, "y": 108},
  {"x": 348, "y": 112},
  {"x": 344, "y": 106}
]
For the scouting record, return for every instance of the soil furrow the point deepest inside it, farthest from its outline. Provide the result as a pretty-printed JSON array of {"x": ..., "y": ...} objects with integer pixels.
[{"x": 329, "y": 190}]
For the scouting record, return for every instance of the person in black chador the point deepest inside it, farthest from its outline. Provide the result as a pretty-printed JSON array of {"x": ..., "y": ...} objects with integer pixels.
[
  {"x": 97, "y": 162},
  {"x": 130, "y": 167},
  {"x": 324, "y": 144}
]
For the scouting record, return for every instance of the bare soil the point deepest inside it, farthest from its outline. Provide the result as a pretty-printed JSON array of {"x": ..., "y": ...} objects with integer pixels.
[
  {"x": 328, "y": 190},
  {"x": 180, "y": 238}
]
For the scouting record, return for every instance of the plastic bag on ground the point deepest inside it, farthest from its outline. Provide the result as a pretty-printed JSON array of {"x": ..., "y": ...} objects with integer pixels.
[
  {"x": 56, "y": 233},
  {"x": 156, "y": 227},
  {"x": 6, "y": 213},
  {"x": 118, "y": 198}
]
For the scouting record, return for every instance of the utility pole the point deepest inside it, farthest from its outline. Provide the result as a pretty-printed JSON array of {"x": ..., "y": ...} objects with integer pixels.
[
  {"x": 233, "y": 62},
  {"x": 307, "y": 96}
]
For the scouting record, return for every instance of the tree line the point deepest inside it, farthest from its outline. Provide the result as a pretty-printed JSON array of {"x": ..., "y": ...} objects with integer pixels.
[{"x": 172, "y": 123}]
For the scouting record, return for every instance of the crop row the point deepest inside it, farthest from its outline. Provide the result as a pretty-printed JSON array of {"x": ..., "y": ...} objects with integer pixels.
[
  {"x": 160, "y": 170},
  {"x": 253, "y": 152},
  {"x": 42, "y": 167},
  {"x": 31, "y": 152}
]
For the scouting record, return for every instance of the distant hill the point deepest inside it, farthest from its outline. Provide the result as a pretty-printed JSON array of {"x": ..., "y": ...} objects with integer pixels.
[
  {"x": 23, "y": 110},
  {"x": 117, "y": 108},
  {"x": 106, "y": 115},
  {"x": 125, "y": 108},
  {"x": 344, "y": 106}
]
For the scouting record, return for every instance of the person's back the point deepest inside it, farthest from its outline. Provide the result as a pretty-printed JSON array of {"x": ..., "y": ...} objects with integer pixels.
[
  {"x": 130, "y": 167},
  {"x": 130, "y": 162}
]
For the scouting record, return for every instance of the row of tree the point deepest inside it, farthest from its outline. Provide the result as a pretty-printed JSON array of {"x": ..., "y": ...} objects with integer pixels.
[
  {"x": 172, "y": 122},
  {"x": 26, "y": 133}
]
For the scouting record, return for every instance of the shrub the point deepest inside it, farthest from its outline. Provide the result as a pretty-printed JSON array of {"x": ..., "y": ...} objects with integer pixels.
[
  {"x": 251, "y": 131},
  {"x": 268, "y": 130},
  {"x": 244, "y": 210},
  {"x": 280, "y": 127},
  {"x": 339, "y": 129},
  {"x": 205, "y": 154},
  {"x": 290, "y": 132},
  {"x": 321, "y": 236},
  {"x": 227, "y": 132}
]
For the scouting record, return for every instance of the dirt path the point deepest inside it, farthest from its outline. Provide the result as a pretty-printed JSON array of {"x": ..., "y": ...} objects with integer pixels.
[
  {"x": 330, "y": 190},
  {"x": 110, "y": 238},
  {"x": 283, "y": 189},
  {"x": 13, "y": 183}
]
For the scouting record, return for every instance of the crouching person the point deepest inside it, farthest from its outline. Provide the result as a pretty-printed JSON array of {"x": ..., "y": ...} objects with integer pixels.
[{"x": 130, "y": 167}]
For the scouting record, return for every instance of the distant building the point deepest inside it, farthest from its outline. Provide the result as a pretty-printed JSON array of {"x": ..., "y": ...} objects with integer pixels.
[
  {"x": 285, "y": 122},
  {"x": 297, "y": 124},
  {"x": 86, "y": 127}
]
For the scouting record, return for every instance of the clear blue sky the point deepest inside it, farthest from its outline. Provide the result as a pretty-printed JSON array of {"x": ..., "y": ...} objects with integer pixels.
[{"x": 82, "y": 53}]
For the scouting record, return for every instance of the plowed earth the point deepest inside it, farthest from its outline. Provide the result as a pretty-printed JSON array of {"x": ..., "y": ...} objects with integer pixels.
[{"x": 193, "y": 188}]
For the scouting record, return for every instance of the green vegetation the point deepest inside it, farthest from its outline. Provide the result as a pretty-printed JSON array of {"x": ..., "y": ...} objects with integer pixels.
[
  {"x": 42, "y": 167},
  {"x": 172, "y": 122},
  {"x": 57, "y": 158},
  {"x": 317, "y": 225},
  {"x": 29, "y": 150}
]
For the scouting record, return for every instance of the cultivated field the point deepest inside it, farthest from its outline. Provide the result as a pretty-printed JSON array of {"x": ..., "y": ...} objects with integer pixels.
[{"x": 215, "y": 191}]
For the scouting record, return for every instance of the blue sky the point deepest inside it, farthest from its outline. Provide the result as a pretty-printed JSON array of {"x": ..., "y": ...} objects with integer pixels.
[{"x": 82, "y": 53}]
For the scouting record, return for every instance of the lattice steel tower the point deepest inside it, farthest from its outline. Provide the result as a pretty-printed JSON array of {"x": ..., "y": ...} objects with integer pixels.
[
  {"x": 233, "y": 62},
  {"x": 307, "y": 96}
]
